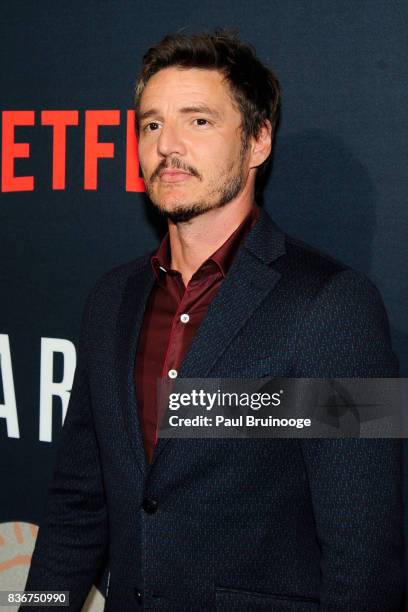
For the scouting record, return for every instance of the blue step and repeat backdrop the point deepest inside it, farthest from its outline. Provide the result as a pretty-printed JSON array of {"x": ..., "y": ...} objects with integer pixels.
[{"x": 72, "y": 201}]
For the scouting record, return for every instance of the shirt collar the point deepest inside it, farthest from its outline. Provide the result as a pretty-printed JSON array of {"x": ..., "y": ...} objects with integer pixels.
[{"x": 222, "y": 257}]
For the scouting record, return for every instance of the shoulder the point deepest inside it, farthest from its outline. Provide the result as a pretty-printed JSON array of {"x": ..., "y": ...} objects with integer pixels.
[
  {"x": 344, "y": 328},
  {"x": 334, "y": 289},
  {"x": 115, "y": 279},
  {"x": 108, "y": 290},
  {"x": 313, "y": 277},
  {"x": 307, "y": 265},
  {"x": 304, "y": 270}
]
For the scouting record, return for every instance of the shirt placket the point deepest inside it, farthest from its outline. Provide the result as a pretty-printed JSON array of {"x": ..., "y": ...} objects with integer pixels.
[{"x": 173, "y": 358}]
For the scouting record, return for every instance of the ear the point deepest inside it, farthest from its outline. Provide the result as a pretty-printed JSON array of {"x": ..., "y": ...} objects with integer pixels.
[{"x": 261, "y": 145}]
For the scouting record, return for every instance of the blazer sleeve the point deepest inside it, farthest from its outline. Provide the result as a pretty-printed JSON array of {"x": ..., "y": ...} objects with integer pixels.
[
  {"x": 73, "y": 534},
  {"x": 356, "y": 484}
]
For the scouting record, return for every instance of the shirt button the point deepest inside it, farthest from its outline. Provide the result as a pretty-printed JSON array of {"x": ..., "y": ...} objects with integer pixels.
[
  {"x": 173, "y": 373},
  {"x": 184, "y": 318}
]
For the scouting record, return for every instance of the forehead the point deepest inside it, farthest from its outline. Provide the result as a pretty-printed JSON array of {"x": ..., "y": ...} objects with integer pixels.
[{"x": 181, "y": 86}]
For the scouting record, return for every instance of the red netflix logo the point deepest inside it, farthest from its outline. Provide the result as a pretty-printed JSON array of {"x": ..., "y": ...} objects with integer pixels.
[{"x": 60, "y": 121}]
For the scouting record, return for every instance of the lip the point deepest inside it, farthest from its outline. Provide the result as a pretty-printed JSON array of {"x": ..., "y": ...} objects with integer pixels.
[{"x": 174, "y": 176}]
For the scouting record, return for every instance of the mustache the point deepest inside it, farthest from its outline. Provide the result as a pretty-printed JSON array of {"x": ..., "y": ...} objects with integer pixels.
[{"x": 175, "y": 163}]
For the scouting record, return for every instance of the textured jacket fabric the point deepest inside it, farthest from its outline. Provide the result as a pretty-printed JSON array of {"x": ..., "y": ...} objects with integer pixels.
[{"x": 283, "y": 525}]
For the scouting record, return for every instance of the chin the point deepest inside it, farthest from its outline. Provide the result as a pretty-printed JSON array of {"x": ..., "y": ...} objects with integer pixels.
[{"x": 180, "y": 212}]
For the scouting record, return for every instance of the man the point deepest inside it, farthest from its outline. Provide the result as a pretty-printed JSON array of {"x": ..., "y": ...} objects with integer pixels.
[{"x": 227, "y": 524}]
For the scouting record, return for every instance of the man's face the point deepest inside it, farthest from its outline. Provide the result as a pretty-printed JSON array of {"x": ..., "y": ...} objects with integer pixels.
[{"x": 190, "y": 142}]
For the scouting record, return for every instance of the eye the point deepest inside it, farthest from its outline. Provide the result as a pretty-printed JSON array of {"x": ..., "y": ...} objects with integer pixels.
[
  {"x": 201, "y": 121},
  {"x": 151, "y": 127}
]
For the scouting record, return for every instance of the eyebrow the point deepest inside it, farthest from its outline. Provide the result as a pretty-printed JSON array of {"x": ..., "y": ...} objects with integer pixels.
[
  {"x": 201, "y": 108},
  {"x": 186, "y": 110}
]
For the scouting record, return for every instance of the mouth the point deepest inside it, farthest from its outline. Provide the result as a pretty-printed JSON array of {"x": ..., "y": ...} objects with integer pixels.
[{"x": 169, "y": 175}]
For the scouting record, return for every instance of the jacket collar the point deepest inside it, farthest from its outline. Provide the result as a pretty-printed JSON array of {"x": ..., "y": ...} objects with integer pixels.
[{"x": 266, "y": 241}]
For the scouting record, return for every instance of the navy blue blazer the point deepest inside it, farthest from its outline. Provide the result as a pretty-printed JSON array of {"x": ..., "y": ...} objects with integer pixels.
[{"x": 233, "y": 525}]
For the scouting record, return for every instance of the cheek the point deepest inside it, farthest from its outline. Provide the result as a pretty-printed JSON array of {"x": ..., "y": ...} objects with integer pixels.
[
  {"x": 146, "y": 154},
  {"x": 226, "y": 151}
]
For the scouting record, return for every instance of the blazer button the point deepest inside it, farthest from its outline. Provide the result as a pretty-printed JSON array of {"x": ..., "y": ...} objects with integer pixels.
[
  {"x": 149, "y": 505},
  {"x": 138, "y": 596}
]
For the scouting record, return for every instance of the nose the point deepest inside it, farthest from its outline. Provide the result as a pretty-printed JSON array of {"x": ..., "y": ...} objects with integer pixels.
[{"x": 170, "y": 141}]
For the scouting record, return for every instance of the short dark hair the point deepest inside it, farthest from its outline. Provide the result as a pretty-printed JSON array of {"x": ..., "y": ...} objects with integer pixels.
[{"x": 254, "y": 87}]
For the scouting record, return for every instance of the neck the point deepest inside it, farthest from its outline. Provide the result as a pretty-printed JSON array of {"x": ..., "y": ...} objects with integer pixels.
[{"x": 191, "y": 243}]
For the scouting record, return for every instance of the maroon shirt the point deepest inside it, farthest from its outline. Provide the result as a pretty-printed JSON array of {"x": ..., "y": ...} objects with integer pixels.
[{"x": 172, "y": 316}]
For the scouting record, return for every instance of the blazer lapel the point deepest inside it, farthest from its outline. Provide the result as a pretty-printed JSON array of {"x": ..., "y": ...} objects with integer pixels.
[
  {"x": 129, "y": 323},
  {"x": 246, "y": 285},
  {"x": 244, "y": 288}
]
